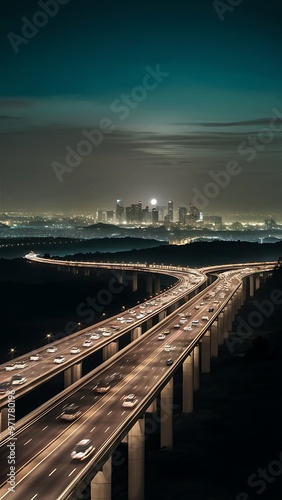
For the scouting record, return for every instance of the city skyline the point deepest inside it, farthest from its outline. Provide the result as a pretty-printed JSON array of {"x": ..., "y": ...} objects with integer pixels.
[{"x": 180, "y": 103}]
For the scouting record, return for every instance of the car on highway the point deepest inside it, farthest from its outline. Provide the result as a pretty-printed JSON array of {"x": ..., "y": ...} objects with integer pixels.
[
  {"x": 107, "y": 333},
  {"x": 82, "y": 450},
  {"x": 205, "y": 318},
  {"x": 10, "y": 367},
  {"x": 20, "y": 364},
  {"x": 87, "y": 343},
  {"x": 140, "y": 316},
  {"x": 132, "y": 311},
  {"x": 197, "y": 307},
  {"x": 115, "y": 377},
  {"x": 70, "y": 412},
  {"x": 166, "y": 332},
  {"x": 211, "y": 309},
  {"x": 130, "y": 320},
  {"x": 188, "y": 315},
  {"x": 102, "y": 387},
  {"x": 59, "y": 359},
  {"x": 182, "y": 320},
  {"x": 176, "y": 326},
  {"x": 5, "y": 387},
  {"x": 167, "y": 348},
  {"x": 129, "y": 401},
  {"x": 120, "y": 318},
  {"x": 195, "y": 322},
  {"x": 75, "y": 350},
  {"x": 18, "y": 379},
  {"x": 169, "y": 361},
  {"x": 95, "y": 336},
  {"x": 161, "y": 336},
  {"x": 35, "y": 357},
  {"x": 187, "y": 328},
  {"x": 52, "y": 348}
]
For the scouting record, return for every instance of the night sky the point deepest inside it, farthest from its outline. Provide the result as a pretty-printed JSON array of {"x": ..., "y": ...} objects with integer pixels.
[{"x": 169, "y": 92}]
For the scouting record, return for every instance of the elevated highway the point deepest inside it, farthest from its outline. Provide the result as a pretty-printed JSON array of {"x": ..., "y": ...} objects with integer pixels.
[{"x": 45, "y": 464}]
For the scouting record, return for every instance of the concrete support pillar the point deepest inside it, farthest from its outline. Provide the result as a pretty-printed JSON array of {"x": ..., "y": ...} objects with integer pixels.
[
  {"x": 149, "y": 284},
  {"x": 214, "y": 339},
  {"x": 206, "y": 353},
  {"x": 4, "y": 419},
  {"x": 188, "y": 383},
  {"x": 157, "y": 283},
  {"x": 220, "y": 330},
  {"x": 86, "y": 271},
  {"x": 119, "y": 276},
  {"x": 101, "y": 484},
  {"x": 244, "y": 291},
  {"x": 67, "y": 377},
  {"x": 110, "y": 349},
  {"x": 252, "y": 285},
  {"x": 153, "y": 407},
  {"x": 162, "y": 315},
  {"x": 149, "y": 323},
  {"x": 196, "y": 371},
  {"x": 257, "y": 281},
  {"x": 76, "y": 372},
  {"x": 166, "y": 404},
  {"x": 134, "y": 281},
  {"x": 136, "y": 333},
  {"x": 136, "y": 460}
]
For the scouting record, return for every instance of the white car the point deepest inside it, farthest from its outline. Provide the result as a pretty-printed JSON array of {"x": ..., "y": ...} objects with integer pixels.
[
  {"x": 129, "y": 320},
  {"x": 182, "y": 320},
  {"x": 195, "y": 322},
  {"x": 35, "y": 357},
  {"x": 140, "y": 316},
  {"x": 129, "y": 401},
  {"x": 120, "y": 318},
  {"x": 82, "y": 450},
  {"x": 52, "y": 349},
  {"x": 9, "y": 368},
  {"x": 74, "y": 350},
  {"x": 187, "y": 328},
  {"x": 167, "y": 348},
  {"x": 132, "y": 311},
  {"x": 95, "y": 336},
  {"x": 107, "y": 333},
  {"x": 20, "y": 364},
  {"x": 87, "y": 343},
  {"x": 59, "y": 359},
  {"x": 17, "y": 380},
  {"x": 176, "y": 326},
  {"x": 161, "y": 336}
]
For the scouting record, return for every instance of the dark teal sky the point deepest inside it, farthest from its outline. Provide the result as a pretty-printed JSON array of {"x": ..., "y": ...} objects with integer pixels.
[{"x": 223, "y": 86}]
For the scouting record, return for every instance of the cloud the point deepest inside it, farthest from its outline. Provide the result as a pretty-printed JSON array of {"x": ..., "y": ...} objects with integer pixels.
[{"x": 253, "y": 122}]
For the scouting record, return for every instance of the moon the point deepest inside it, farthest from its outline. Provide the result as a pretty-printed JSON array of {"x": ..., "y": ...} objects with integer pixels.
[{"x": 153, "y": 201}]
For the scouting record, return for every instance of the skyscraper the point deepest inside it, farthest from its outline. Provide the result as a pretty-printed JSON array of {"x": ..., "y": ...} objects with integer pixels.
[
  {"x": 119, "y": 211},
  {"x": 170, "y": 211}
]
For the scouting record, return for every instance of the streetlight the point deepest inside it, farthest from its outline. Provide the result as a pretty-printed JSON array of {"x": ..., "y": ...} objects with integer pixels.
[
  {"x": 48, "y": 337},
  {"x": 12, "y": 351}
]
